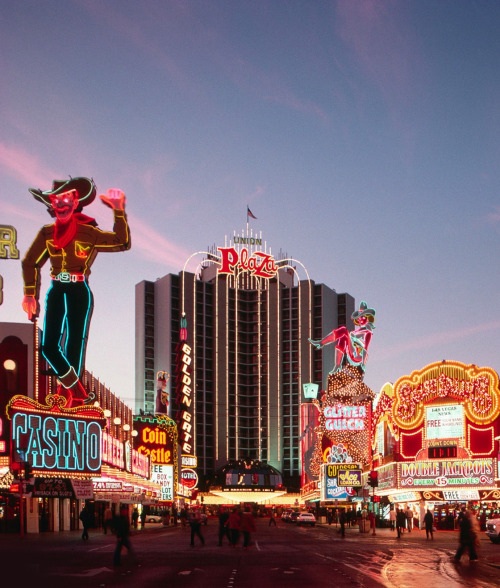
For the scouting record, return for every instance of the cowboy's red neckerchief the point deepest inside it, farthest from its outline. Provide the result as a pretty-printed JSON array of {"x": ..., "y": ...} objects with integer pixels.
[{"x": 64, "y": 233}]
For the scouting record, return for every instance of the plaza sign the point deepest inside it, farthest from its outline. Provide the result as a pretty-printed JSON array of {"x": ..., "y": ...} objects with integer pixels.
[{"x": 259, "y": 264}]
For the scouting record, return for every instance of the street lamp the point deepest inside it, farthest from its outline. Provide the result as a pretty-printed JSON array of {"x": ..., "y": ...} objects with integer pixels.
[{"x": 21, "y": 451}]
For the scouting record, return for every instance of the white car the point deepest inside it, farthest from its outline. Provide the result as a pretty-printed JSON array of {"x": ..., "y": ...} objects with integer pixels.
[
  {"x": 306, "y": 518},
  {"x": 493, "y": 530},
  {"x": 154, "y": 518}
]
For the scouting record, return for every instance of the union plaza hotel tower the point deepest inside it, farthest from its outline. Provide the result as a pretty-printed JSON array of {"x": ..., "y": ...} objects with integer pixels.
[{"x": 245, "y": 318}]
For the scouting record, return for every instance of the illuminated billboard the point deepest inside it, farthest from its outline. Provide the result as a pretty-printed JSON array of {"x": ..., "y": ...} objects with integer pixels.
[
  {"x": 332, "y": 476},
  {"x": 444, "y": 422},
  {"x": 163, "y": 475},
  {"x": 55, "y": 439},
  {"x": 157, "y": 439},
  {"x": 448, "y": 473}
]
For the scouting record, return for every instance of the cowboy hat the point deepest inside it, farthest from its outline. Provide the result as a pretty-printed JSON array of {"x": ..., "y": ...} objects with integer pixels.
[
  {"x": 363, "y": 311},
  {"x": 85, "y": 190}
]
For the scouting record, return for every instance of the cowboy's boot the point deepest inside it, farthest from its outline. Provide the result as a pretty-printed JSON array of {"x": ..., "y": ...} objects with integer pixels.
[{"x": 74, "y": 389}]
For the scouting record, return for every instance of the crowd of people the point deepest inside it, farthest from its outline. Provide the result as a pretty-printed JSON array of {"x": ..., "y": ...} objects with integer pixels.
[{"x": 238, "y": 524}]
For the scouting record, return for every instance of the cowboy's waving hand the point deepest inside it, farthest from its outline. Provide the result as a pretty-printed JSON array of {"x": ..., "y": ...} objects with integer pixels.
[{"x": 115, "y": 199}]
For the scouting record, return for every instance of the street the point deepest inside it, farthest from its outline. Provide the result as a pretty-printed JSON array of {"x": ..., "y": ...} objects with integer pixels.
[{"x": 285, "y": 555}]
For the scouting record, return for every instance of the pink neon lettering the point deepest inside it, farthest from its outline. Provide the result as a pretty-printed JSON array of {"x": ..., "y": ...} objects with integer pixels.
[{"x": 259, "y": 264}]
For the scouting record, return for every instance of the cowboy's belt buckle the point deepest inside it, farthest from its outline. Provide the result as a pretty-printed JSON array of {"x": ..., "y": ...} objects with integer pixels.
[{"x": 64, "y": 277}]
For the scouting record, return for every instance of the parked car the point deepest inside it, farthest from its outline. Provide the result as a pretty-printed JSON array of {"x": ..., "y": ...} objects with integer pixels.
[
  {"x": 293, "y": 517},
  {"x": 285, "y": 515},
  {"x": 306, "y": 518},
  {"x": 150, "y": 518},
  {"x": 493, "y": 530}
]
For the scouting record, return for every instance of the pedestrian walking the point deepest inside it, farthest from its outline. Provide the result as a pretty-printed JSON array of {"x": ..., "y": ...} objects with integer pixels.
[
  {"x": 392, "y": 518},
  {"x": 400, "y": 521},
  {"x": 272, "y": 519},
  {"x": 223, "y": 530},
  {"x": 135, "y": 517},
  {"x": 108, "y": 519},
  {"x": 371, "y": 518},
  {"x": 429, "y": 524},
  {"x": 409, "y": 518},
  {"x": 143, "y": 518},
  {"x": 247, "y": 527},
  {"x": 122, "y": 529},
  {"x": 85, "y": 517},
  {"x": 194, "y": 519},
  {"x": 469, "y": 538},
  {"x": 350, "y": 517},
  {"x": 183, "y": 516},
  {"x": 342, "y": 520},
  {"x": 233, "y": 524}
]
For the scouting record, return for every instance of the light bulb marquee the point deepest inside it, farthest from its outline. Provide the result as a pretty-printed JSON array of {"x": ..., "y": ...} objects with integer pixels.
[
  {"x": 403, "y": 405},
  {"x": 476, "y": 388},
  {"x": 444, "y": 418}
]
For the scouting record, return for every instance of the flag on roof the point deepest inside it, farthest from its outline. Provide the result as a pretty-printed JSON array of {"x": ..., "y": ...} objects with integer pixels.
[{"x": 250, "y": 214}]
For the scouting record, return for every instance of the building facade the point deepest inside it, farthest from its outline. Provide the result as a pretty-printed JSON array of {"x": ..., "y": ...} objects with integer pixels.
[
  {"x": 246, "y": 320},
  {"x": 435, "y": 436},
  {"x": 54, "y": 460}
]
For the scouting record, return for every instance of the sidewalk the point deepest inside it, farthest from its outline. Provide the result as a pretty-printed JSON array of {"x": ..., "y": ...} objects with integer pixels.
[
  {"x": 489, "y": 553},
  {"x": 58, "y": 537}
]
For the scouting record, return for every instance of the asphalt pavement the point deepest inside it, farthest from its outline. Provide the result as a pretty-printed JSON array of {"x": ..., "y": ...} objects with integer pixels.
[{"x": 83, "y": 563}]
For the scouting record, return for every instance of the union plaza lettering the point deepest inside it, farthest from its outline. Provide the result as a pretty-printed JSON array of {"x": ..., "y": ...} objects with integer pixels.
[
  {"x": 345, "y": 418},
  {"x": 259, "y": 264},
  {"x": 58, "y": 444}
]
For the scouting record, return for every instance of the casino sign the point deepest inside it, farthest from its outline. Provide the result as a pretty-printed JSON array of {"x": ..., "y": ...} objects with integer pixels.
[{"x": 54, "y": 439}]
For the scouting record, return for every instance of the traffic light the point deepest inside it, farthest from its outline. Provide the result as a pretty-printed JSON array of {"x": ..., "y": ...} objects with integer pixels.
[
  {"x": 373, "y": 479},
  {"x": 15, "y": 466},
  {"x": 27, "y": 470}
]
